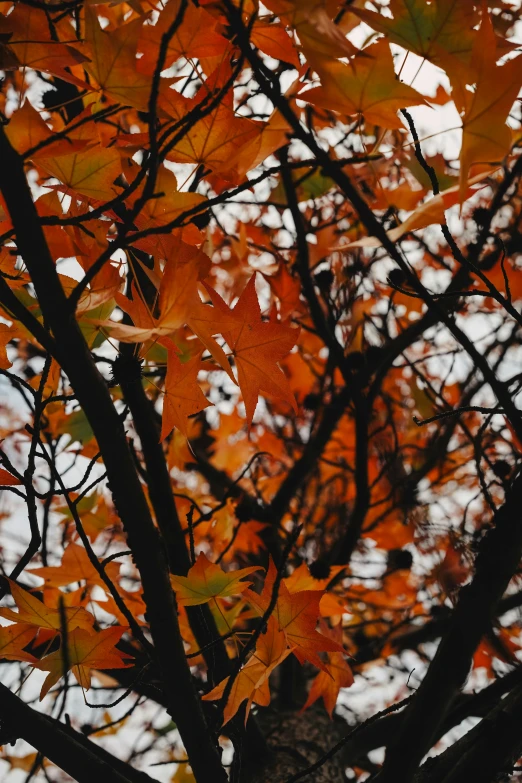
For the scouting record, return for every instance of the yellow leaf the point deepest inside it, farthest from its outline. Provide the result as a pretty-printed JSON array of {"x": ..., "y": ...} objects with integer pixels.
[{"x": 205, "y": 581}]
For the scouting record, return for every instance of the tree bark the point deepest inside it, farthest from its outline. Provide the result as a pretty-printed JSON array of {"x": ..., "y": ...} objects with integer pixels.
[{"x": 298, "y": 740}]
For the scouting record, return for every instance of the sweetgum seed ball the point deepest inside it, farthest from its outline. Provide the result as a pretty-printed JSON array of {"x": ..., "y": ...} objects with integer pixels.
[{"x": 320, "y": 569}]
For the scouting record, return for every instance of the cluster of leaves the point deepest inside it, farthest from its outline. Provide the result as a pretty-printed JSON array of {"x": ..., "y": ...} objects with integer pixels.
[{"x": 230, "y": 355}]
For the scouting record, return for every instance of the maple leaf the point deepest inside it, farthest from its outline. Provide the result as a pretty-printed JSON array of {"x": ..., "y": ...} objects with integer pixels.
[
  {"x": 133, "y": 601},
  {"x": 93, "y": 510},
  {"x": 90, "y": 172},
  {"x": 182, "y": 395},
  {"x": 287, "y": 288},
  {"x": 314, "y": 26},
  {"x": 297, "y": 615},
  {"x": 302, "y": 579},
  {"x": 27, "y": 129},
  {"x": 367, "y": 86},
  {"x": 196, "y": 37},
  {"x": 100, "y": 292},
  {"x": 441, "y": 32},
  {"x": 13, "y": 639},
  {"x": 85, "y": 651},
  {"x": 33, "y": 612},
  {"x": 434, "y": 32},
  {"x": 273, "y": 40},
  {"x": 168, "y": 202},
  {"x": 257, "y": 346},
  {"x": 206, "y": 580},
  {"x": 214, "y": 140},
  {"x": 75, "y": 567},
  {"x": 113, "y": 61},
  {"x": 179, "y": 304},
  {"x": 338, "y": 674},
  {"x": 485, "y": 136},
  {"x": 252, "y": 681},
  {"x": 27, "y": 31}
]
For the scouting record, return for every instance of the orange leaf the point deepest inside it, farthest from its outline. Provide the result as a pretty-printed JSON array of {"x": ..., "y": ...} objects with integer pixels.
[
  {"x": 288, "y": 290},
  {"x": 257, "y": 346},
  {"x": 485, "y": 136},
  {"x": 273, "y": 40},
  {"x": 297, "y": 615},
  {"x": 179, "y": 304},
  {"x": 113, "y": 61},
  {"x": 252, "y": 681},
  {"x": 196, "y": 37},
  {"x": 328, "y": 683},
  {"x": 182, "y": 396},
  {"x": 7, "y": 479},
  {"x": 75, "y": 567},
  {"x": 86, "y": 651},
  {"x": 314, "y": 26},
  {"x": 13, "y": 639},
  {"x": 30, "y": 45},
  {"x": 214, "y": 140},
  {"x": 367, "y": 86}
]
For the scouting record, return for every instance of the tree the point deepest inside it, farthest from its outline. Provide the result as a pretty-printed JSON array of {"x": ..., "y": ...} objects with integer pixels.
[{"x": 260, "y": 344}]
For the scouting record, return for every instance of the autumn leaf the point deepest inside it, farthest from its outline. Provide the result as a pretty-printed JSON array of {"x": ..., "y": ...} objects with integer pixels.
[
  {"x": 273, "y": 40},
  {"x": 75, "y": 567},
  {"x": 338, "y": 674},
  {"x": 257, "y": 346},
  {"x": 113, "y": 61},
  {"x": 314, "y": 25},
  {"x": 196, "y": 37},
  {"x": 485, "y": 136},
  {"x": 90, "y": 172},
  {"x": 297, "y": 615},
  {"x": 35, "y": 613},
  {"x": 438, "y": 32},
  {"x": 13, "y": 638},
  {"x": 287, "y": 289},
  {"x": 367, "y": 87},
  {"x": 7, "y": 479},
  {"x": 179, "y": 304},
  {"x": 252, "y": 681},
  {"x": 85, "y": 651},
  {"x": 205, "y": 581},
  {"x": 26, "y": 128},
  {"x": 168, "y": 202},
  {"x": 27, "y": 31},
  {"x": 101, "y": 292},
  {"x": 213, "y": 140},
  {"x": 302, "y": 579},
  {"x": 182, "y": 395}
]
